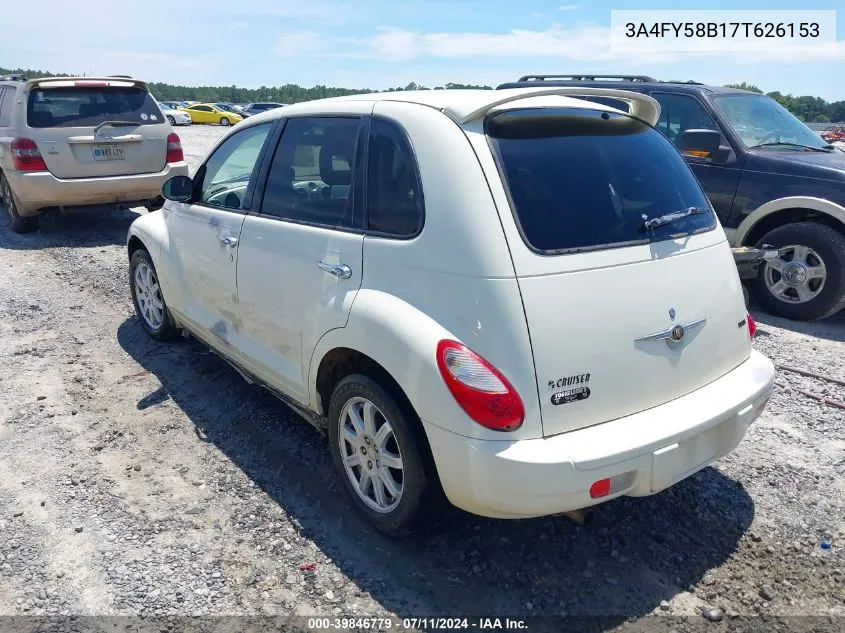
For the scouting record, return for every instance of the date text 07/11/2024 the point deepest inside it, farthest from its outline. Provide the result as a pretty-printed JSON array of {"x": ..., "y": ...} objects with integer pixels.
[{"x": 422, "y": 623}]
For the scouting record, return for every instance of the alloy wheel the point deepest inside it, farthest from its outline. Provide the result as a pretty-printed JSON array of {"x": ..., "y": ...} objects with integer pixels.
[
  {"x": 797, "y": 275},
  {"x": 371, "y": 456},
  {"x": 148, "y": 296}
]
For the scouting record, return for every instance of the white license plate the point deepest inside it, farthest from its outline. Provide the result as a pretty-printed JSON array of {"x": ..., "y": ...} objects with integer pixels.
[{"x": 107, "y": 152}]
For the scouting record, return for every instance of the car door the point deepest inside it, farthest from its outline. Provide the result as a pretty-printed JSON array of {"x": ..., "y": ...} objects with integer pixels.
[
  {"x": 203, "y": 236},
  {"x": 301, "y": 249},
  {"x": 681, "y": 112}
]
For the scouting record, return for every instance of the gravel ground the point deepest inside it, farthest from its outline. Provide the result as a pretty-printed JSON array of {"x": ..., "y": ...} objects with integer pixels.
[{"x": 141, "y": 479}]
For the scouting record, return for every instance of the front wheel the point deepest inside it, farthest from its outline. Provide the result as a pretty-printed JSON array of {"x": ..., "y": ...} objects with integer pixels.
[
  {"x": 19, "y": 224},
  {"x": 807, "y": 280},
  {"x": 171, "y": 120},
  {"x": 224, "y": 122},
  {"x": 376, "y": 447},
  {"x": 146, "y": 295}
]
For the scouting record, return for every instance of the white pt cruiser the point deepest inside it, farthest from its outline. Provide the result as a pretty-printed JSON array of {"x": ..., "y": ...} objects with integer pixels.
[{"x": 519, "y": 298}]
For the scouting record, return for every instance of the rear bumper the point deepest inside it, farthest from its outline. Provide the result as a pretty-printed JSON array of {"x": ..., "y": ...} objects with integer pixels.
[
  {"x": 39, "y": 190},
  {"x": 646, "y": 452}
]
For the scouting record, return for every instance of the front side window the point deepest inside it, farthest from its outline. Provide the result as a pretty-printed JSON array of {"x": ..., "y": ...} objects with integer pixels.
[
  {"x": 761, "y": 121},
  {"x": 582, "y": 179},
  {"x": 310, "y": 178},
  {"x": 394, "y": 199},
  {"x": 90, "y": 106},
  {"x": 228, "y": 171},
  {"x": 679, "y": 113},
  {"x": 201, "y": 108}
]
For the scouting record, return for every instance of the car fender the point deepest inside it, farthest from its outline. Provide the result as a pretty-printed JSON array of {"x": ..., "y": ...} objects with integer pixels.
[
  {"x": 793, "y": 202},
  {"x": 403, "y": 340},
  {"x": 151, "y": 230}
]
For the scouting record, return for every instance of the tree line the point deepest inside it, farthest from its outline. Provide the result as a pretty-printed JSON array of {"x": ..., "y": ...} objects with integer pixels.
[{"x": 806, "y": 107}]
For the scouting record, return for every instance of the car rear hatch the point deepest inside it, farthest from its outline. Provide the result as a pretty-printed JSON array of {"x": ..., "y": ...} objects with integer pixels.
[
  {"x": 89, "y": 128},
  {"x": 603, "y": 292}
]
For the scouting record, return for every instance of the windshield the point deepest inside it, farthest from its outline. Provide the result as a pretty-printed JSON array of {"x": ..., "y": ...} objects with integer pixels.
[
  {"x": 83, "y": 107},
  {"x": 585, "y": 179},
  {"x": 760, "y": 120}
]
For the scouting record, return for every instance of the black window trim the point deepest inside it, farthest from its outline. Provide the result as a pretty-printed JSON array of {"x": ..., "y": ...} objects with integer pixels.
[
  {"x": 417, "y": 179},
  {"x": 357, "y": 227},
  {"x": 704, "y": 106},
  {"x": 596, "y": 247},
  {"x": 248, "y": 201}
]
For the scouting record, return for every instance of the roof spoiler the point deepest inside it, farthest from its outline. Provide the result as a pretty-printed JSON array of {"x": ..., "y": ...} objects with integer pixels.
[
  {"x": 642, "y": 106},
  {"x": 70, "y": 82}
]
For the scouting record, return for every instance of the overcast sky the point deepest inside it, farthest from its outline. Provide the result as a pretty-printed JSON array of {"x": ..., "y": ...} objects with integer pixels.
[{"x": 380, "y": 43}]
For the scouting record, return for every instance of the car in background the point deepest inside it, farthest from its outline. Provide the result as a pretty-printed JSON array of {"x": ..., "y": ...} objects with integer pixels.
[
  {"x": 257, "y": 108},
  {"x": 171, "y": 105},
  {"x": 775, "y": 183},
  {"x": 68, "y": 142},
  {"x": 210, "y": 113},
  {"x": 174, "y": 116},
  {"x": 228, "y": 107},
  {"x": 834, "y": 134},
  {"x": 552, "y": 362}
]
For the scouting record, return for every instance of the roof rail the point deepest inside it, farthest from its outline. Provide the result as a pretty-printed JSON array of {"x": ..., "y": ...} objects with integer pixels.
[
  {"x": 13, "y": 77},
  {"x": 639, "y": 78},
  {"x": 642, "y": 106}
]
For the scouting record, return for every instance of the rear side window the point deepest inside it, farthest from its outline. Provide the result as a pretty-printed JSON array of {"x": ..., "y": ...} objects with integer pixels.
[
  {"x": 7, "y": 99},
  {"x": 83, "y": 107},
  {"x": 394, "y": 199},
  {"x": 310, "y": 179},
  {"x": 583, "y": 179}
]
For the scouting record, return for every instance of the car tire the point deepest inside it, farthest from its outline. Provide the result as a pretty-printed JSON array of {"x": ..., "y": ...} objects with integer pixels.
[
  {"x": 171, "y": 120},
  {"x": 19, "y": 224},
  {"x": 809, "y": 251},
  {"x": 149, "y": 303},
  {"x": 224, "y": 121},
  {"x": 405, "y": 439}
]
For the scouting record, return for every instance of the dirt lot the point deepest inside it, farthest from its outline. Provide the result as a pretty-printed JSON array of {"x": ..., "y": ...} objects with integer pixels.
[{"x": 138, "y": 478}]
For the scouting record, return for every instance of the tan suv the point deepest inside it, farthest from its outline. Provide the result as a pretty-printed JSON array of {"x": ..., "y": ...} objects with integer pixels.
[{"x": 70, "y": 142}]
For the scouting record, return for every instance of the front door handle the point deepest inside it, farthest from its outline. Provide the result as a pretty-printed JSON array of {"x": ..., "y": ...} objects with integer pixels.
[
  {"x": 341, "y": 271},
  {"x": 227, "y": 240}
]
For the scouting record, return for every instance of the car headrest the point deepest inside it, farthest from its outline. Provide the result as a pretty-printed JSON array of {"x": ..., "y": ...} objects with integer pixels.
[{"x": 336, "y": 157}]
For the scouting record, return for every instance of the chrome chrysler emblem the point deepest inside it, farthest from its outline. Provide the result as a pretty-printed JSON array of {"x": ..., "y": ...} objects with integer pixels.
[{"x": 674, "y": 334}]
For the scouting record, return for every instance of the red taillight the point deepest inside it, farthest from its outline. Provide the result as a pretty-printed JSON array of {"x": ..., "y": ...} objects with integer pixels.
[
  {"x": 752, "y": 327},
  {"x": 479, "y": 388},
  {"x": 174, "y": 148},
  {"x": 600, "y": 489},
  {"x": 26, "y": 157}
]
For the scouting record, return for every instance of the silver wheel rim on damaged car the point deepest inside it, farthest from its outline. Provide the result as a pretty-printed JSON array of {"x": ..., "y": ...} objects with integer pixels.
[
  {"x": 797, "y": 275},
  {"x": 148, "y": 295},
  {"x": 371, "y": 456}
]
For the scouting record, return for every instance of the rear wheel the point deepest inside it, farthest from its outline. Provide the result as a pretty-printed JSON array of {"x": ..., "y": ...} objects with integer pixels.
[
  {"x": 224, "y": 121},
  {"x": 146, "y": 295},
  {"x": 807, "y": 280},
  {"x": 376, "y": 449},
  {"x": 19, "y": 224}
]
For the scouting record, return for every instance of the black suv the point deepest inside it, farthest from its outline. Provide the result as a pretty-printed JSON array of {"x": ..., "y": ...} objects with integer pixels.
[{"x": 773, "y": 182}]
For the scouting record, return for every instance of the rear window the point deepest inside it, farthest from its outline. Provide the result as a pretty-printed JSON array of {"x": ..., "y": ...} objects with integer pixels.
[
  {"x": 582, "y": 179},
  {"x": 83, "y": 107}
]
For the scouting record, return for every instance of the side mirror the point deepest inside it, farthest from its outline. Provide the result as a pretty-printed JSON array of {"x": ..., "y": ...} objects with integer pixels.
[
  {"x": 701, "y": 143},
  {"x": 178, "y": 189}
]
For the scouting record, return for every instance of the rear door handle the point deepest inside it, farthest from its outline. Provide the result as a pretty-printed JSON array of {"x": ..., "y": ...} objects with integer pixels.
[
  {"x": 341, "y": 271},
  {"x": 227, "y": 240}
]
